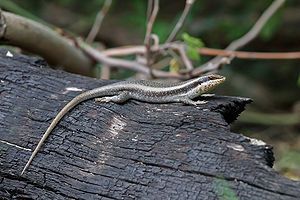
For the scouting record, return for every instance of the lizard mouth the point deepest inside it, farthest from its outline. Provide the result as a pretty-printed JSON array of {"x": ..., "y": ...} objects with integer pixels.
[
  {"x": 214, "y": 81},
  {"x": 216, "y": 77}
]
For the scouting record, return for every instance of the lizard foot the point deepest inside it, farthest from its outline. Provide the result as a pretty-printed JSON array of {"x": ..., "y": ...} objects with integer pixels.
[
  {"x": 103, "y": 100},
  {"x": 191, "y": 102},
  {"x": 195, "y": 103},
  {"x": 200, "y": 102},
  {"x": 120, "y": 98}
]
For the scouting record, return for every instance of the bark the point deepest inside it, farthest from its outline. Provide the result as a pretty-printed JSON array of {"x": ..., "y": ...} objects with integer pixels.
[
  {"x": 43, "y": 41},
  {"x": 131, "y": 151}
]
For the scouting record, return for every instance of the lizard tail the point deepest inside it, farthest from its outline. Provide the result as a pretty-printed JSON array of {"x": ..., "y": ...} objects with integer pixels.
[{"x": 59, "y": 116}]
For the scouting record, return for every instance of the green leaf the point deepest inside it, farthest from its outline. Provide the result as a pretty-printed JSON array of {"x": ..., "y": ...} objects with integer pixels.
[
  {"x": 193, "y": 53},
  {"x": 174, "y": 65},
  {"x": 192, "y": 41},
  {"x": 193, "y": 44}
]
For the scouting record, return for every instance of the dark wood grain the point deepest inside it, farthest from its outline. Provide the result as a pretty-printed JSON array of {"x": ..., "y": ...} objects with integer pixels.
[{"x": 131, "y": 151}]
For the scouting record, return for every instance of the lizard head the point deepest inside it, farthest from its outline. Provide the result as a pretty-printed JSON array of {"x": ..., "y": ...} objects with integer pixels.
[{"x": 209, "y": 82}]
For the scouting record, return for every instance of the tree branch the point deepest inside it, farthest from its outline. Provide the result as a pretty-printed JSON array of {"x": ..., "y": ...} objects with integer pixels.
[
  {"x": 11, "y": 26},
  {"x": 217, "y": 62},
  {"x": 255, "y": 30},
  {"x": 151, "y": 20},
  {"x": 150, "y": 23},
  {"x": 180, "y": 22},
  {"x": 249, "y": 55},
  {"x": 133, "y": 50},
  {"x": 98, "y": 21},
  {"x": 41, "y": 40},
  {"x": 149, "y": 9},
  {"x": 125, "y": 64}
]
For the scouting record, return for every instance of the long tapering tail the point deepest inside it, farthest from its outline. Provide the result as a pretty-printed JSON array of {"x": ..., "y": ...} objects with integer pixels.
[{"x": 59, "y": 116}]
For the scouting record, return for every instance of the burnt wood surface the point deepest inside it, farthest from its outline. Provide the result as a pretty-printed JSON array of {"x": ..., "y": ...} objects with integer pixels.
[{"x": 132, "y": 151}]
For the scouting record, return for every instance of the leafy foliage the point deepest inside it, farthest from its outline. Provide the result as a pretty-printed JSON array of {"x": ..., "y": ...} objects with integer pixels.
[
  {"x": 174, "y": 65},
  {"x": 193, "y": 44}
]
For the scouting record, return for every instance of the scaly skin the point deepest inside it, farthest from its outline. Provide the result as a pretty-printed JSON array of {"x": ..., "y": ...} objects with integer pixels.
[{"x": 142, "y": 90}]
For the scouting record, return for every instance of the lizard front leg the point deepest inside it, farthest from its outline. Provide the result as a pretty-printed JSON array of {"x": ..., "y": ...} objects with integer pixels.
[
  {"x": 120, "y": 98},
  {"x": 188, "y": 101}
]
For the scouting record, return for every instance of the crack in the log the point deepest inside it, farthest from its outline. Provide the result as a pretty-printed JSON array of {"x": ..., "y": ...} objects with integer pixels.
[
  {"x": 102, "y": 195},
  {"x": 237, "y": 179},
  {"x": 148, "y": 163},
  {"x": 83, "y": 180},
  {"x": 210, "y": 175},
  {"x": 135, "y": 148},
  {"x": 35, "y": 184},
  {"x": 112, "y": 177},
  {"x": 155, "y": 123}
]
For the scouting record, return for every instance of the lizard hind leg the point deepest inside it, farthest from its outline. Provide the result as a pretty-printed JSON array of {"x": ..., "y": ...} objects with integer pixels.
[{"x": 120, "y": 98}]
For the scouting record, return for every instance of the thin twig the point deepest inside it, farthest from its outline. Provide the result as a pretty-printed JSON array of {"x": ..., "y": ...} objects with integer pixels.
[
  {"x": 151, "y": 20},
  {"x": 149, "y": 28},
  {"x": 125, "y": 64},
  {"x": 249, "y": 55},
  {"x": 125, "y": 50},
  {"x": 213, "y": 65},
  {"x": 105, "y": 72},
  {"x": 180, "y": 22},
  {"x": 217, "y": 62},
  {"x": 186, "y": 61},
  {"x": 133, "y": 50},
  {"x": 149, "y": 9},
  {"x": 98, "y": 21},
  {"x": 255, "y": 30}
]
